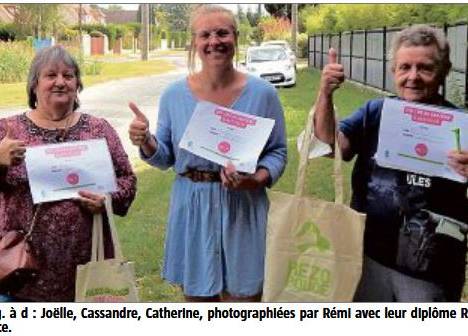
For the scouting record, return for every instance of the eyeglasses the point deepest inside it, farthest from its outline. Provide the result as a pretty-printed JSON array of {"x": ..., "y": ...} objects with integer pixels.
[{"x": 220, "y": 33}]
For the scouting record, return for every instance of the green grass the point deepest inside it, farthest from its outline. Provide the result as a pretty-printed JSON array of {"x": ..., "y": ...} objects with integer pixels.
[
  {"x": 297, "y": 103},
  {"x": 15, "y": 94},
  {"x": 142, "y": 231}
]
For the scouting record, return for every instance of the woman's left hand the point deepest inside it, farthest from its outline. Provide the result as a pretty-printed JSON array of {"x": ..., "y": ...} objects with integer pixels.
[
  {"x": 459, "y": 162},
  {"x": 232, "y": 179},
  {"x": 93, "y": 202}
]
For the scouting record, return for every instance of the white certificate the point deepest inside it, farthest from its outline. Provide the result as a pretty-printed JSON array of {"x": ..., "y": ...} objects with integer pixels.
[
  {"x": 417, "y": 138},
  {"x": 59, "y": 171},
  {"x": 221, "y": 135}
]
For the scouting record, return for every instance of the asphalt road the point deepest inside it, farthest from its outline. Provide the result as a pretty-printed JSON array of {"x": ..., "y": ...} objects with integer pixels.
[{"x": 109, "y": 100}]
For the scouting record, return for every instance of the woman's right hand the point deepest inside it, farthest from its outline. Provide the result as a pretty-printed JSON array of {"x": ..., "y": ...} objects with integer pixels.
[
  {"x": 12, "y": 151},
  {"x": 139, "y": 127},
  {"x": 139, "y": 133}
]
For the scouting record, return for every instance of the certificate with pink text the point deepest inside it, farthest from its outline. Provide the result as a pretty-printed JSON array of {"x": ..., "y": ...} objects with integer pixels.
[
  {"x": 59, "y": 171},
  {"x": 417, "y": 138},
  {"x": 221, "y": 135}
]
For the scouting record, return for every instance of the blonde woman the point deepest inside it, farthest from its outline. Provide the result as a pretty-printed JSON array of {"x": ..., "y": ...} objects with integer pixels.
[{"x": 215, "y": 242}]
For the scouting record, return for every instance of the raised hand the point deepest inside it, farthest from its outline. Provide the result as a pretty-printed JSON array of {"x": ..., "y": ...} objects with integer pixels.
[
  {"x": 12, "y": 151},
  {"x": 332, "y": 74},
  {"x": 139, "y": 127}
]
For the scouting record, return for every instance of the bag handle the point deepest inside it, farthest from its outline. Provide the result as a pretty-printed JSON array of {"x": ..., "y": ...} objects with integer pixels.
[
  {"x": 97, "y": 248},
  {"x": 304, "y": 158},
  {"x": 97, "y": 243}
]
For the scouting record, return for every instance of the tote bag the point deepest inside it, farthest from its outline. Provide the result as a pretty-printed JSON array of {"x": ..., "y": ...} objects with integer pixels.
[
  {"x": 314, "y": 247},
  {"x": 105, "y": 280}
]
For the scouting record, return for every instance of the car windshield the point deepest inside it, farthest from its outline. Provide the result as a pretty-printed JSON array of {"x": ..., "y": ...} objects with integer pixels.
[{"x": 267, "y": 55}]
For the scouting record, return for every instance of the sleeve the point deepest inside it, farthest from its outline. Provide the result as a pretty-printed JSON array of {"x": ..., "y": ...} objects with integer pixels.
[
  {"x": 126, "y": 179},
  {"x": 360, "y": 122},
  {"x": 353, "y": 126},
  {"x": 274, "y": 155},
  {"x": 163, "y": 158}
]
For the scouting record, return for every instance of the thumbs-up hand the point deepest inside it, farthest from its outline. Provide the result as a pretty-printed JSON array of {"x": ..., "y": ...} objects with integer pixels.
[
  {"x": 12, "y": 151},
  {"x": 139, "y": 127},
  {"x": 332, "y": 74}
]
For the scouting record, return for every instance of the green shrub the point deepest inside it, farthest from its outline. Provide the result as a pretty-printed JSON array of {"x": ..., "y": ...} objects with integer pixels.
[
  {"x": 275, "y": 29},
  {"x": 96, "y": 33},
  {"x": 88, "y": 67},
  {"x": 302, "y": 45},
  {"x": 92, "y": 68},
  {"x": 7, "y": 32},
  {"x": 15, "y": 60}
]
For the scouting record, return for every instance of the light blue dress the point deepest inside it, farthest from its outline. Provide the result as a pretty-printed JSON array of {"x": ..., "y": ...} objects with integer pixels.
[{"x": 215, "y": 238}]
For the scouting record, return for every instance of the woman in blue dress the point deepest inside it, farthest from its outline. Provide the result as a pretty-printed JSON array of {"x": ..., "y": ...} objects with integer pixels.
[{"x": 215, "y": 240}]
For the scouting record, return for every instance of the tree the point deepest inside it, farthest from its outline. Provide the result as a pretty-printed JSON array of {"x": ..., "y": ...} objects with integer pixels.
[
  {"x": 332, "y": 18},
  {"x": 114, "y": 7},
  {"x": 38, "y": 20},
  {"x": 276, "y": 29},
  {"x": 281, "y": 10},
  {"x": 241, "y": 17},
  {"x": 253, "y": 18},
  {"x": 177, "y": 15}
]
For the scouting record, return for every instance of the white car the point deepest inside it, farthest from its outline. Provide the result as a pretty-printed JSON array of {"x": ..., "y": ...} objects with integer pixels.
[
  {"x": 272, "y": 64},
  {"x": 283, "y": 44}
]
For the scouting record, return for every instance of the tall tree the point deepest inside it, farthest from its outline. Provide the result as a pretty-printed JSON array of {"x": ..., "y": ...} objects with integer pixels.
[
  {"x": 114, "y": 7},
  {"x": 281, "y": 10},
  {"x": 176, "y": 15},
  {"x": 38, "y": 20},
  {"x": 253, "y": 17},
  {"x": 241, "y": 17}
]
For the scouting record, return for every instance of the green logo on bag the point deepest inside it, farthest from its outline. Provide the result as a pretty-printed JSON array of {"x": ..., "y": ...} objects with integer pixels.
[
  {"x": 105, "y": 294},
  {"x": 311, "y": 236},
  {"x": 303, "y": 274},
  {"x": 304, "y": 277}
]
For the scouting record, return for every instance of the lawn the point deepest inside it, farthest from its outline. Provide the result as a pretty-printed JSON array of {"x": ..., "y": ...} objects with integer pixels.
[
  {"x": 142, "y": 231},
  {"x": 15, "y": 94}
]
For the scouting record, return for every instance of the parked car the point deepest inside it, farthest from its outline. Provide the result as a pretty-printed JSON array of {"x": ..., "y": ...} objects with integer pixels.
[
  {"x": 285, "y": 45},
  {"x": 272, "y": 64}
]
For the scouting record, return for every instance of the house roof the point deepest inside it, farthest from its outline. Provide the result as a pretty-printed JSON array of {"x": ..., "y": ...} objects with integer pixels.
[
  {"x": 121, "y": 16},
  {"x": 7, "y": 13},
  {"x": 70, "y": 13}
]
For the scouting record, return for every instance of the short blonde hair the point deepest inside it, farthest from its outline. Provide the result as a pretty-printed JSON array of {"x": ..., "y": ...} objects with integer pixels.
[{"x": 201, "y": 10}]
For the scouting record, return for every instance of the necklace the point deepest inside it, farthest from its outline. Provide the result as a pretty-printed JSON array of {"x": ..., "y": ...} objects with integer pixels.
[
  {"x": 61, "y": 129},
  {"x": 62, "y": 132}
]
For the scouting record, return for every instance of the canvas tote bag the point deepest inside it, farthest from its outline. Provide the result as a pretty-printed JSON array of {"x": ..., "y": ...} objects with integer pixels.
[
  {"x": 314, "y": 247},
  {"x": 105, "y": 280}
]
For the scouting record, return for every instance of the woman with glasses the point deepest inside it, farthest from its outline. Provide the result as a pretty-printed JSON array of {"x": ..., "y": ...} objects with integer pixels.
[{"x": 215, "y": 242}]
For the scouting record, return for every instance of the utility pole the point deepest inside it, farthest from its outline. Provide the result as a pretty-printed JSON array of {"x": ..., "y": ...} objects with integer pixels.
[
  {"x": 294, "y": 28},
  {"x": 80, "y": 30},
  {"x": 145, "y": 31}
]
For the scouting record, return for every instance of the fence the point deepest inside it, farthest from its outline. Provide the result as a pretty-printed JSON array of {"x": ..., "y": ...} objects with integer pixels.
[{"x": 364, "y": 56}]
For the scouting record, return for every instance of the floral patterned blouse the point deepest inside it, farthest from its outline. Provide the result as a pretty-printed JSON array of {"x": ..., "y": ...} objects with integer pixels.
[{"x": 62, "y": 234}]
